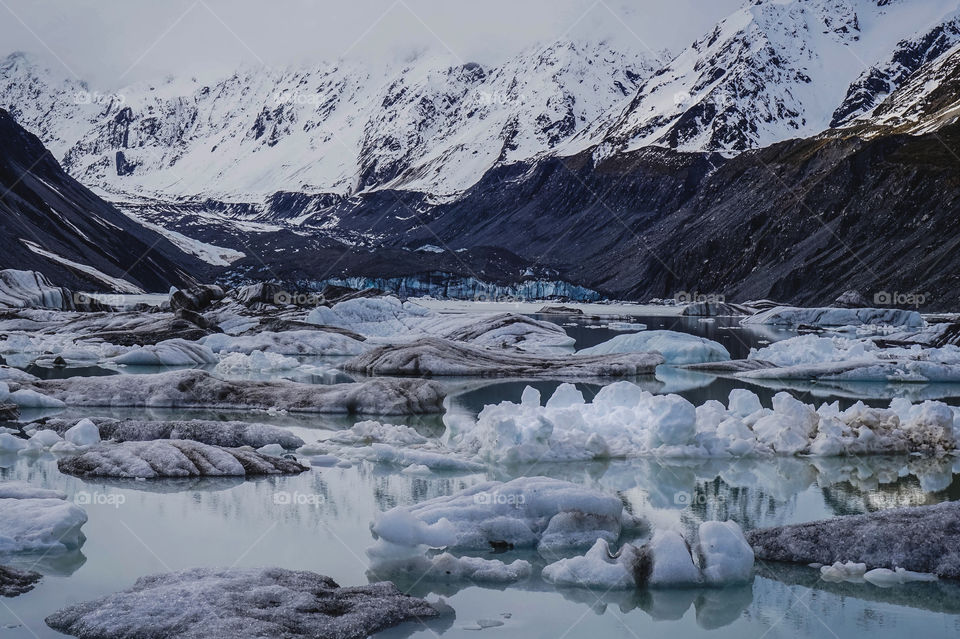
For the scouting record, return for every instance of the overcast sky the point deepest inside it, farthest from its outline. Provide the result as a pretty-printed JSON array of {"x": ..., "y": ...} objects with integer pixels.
[{"x": 114, "y": 42}]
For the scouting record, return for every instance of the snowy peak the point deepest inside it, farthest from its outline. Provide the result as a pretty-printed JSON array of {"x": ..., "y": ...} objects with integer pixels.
[
  {"x": 773, "y": 70},
  {"x": 431, "y": 124},
  {"x": 875, "y": 84}
]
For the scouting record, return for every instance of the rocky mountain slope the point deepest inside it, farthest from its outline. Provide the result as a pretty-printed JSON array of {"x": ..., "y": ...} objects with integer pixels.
[{"x": 53, "y": 224}]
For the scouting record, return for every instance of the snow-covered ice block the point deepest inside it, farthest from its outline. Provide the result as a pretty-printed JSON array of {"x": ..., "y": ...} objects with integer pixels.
[
  {"x": 534, "y": 512},
  {"x": 435, "y": 356},
  {"x": 676, "y": 347},
  {"x": 920, "y": 539},
  {"x": 174, "y": 458},
  {"x": 231, "y": 434},
  {"x": 199, "y": 389},
  {"x": 171, "y": 352},
  {"x": 298, "y": 342},
  {"x": 725, "y": 557},
  {"x": 598, "y": 568},
  {"x": 446, "y": 567},
  {"x": 794, "y": 316},
  {"x": 241, "y": 603},
  {"x": 28, "y": 398},
  {"x": 38, "y": 520},
  {"x": 83, "y": 433}
]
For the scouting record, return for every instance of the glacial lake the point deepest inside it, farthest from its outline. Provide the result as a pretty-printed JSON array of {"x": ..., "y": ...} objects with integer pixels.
[{"x": 140, "y": 528}]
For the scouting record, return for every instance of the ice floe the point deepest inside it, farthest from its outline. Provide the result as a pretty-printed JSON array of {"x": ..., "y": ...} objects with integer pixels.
[
  {"x": 676, "y": 347},
  {"x": 921, "y": 539},
  {"x": 241, "y": 603},
  {"x": 388, "y": 317},
  {"x": 38, "y": 520},
  {"x": 174, "y": 458},
  {"x": 15, "y": 582},
  {"x": 623, "y": 420},
  {"x": 298, "y": 342},
  {"x": 435, "y": 356},
  {"x": 199, "y": 389},
  {"x": 231, "y": 434},
  {"x": 722, "y": 556},
  {"x": 445, "y": 567},
  {"x": 172, "y": 352},
  {"x": 527, "y": 512},
  {"x": 389, "y": 444},
  {"x": 833, "y": 317}
]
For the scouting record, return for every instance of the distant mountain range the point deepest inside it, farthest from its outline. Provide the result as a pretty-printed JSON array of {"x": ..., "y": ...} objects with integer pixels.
[{"x": 798, "y": 149}]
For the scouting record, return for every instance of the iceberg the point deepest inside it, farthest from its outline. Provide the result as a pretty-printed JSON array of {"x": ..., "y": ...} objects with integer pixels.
[
  {"x": 676, "y": 347},
  {"x": 625, "y": 421},
  {"x": 231, "y": 434},
  {"x": 833, "y": 317},
  {"x": 174, "y": 458},
  {"x": 434, "y": 356},
  {"x": 38, "y": 520},
  {"x": 388, "y": 317},
  {"x": 171, "y": 352},
  {"x": 297, "y": 342},
  {"x": 238, "y": 603},
  {"x": 198, "y": 389},
  {"x": 527, "y": 512},
  {"x": 921, "y": 539}
]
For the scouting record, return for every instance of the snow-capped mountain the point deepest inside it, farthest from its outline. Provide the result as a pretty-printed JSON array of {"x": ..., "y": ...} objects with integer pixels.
[
  {"x": 428, "y": 124},
  {"x": 774, "y": 70}
]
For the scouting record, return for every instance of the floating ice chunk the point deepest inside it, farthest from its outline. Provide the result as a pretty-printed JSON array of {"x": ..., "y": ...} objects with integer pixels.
[
  {"x": 525, "y": 512},
  {"x": 43, "y": 439},
  {"x": 250, "y": 603},
  {"x": 672, "y": 563},
  {"x": 23, "y": 490},
  {"x": 11, "y": 444},
  {"x": 28, "y": 398},
  {"x": 199, "y": 389},
  {"x": 792, "y": 316},
  {"x": 566, "y": 395},
  {"x": 676, "y": 347},
  {"x": 301, "y": 342},
  {"x": 530, "y": 397},
  {"x": 725, "y": 556},
  {"x": 449, "y": 568},
  {"x": 922, "y": 539},
  {"x": 83, "y": 433},
  {"x": 231, "y": 434},
  {"x": 436, "y": 356},
  {"x": 743, "y": 402},
  {"x": 171, "y": 352},
  {"x": 275, "y": 450},
  {"x": 174, "y": 458},
  {"x": 843, "y": 571},
  {"x": 885, "y": 577},
  {"x": 599, "y": 568},
  {"x": 36, "y": 520}
]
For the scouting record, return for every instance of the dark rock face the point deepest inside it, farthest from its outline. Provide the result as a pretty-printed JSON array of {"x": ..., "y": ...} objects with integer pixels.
[
  {"x": 922, "y": 539},
  {"x": 43, "y": 205},
  {"x": 14, "y": 582},
  {"x": 196, "y": 298},
  {"x": 205, "y": 603}
]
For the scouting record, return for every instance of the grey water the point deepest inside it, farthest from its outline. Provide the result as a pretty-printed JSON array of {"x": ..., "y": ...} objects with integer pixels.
[{"x": 160, "y": 526}]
